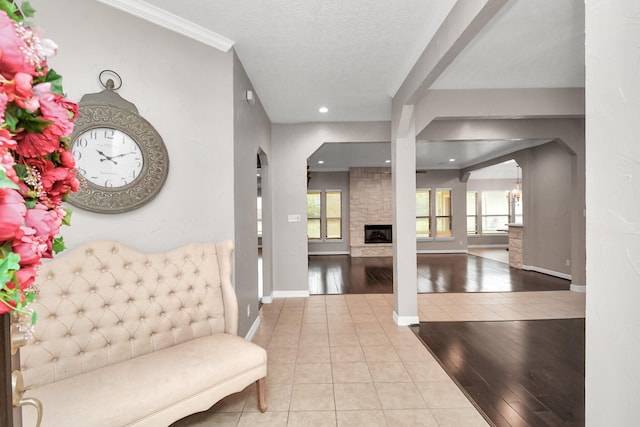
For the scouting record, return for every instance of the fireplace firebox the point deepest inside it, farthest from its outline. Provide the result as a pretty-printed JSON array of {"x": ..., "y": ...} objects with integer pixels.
[{"x": 378, "y": 233}]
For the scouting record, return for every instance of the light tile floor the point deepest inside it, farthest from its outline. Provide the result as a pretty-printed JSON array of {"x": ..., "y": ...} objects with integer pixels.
[{"x": 340, "y": 360}]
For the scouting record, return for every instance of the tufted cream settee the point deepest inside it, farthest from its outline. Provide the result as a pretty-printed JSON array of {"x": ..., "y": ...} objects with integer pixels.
[{"x": 129, "y": 339}]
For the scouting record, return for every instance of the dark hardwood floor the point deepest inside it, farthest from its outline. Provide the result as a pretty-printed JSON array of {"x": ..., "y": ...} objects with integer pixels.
[
  {"x": 341, "y": 274},
  {"x": 518, "y": 373}
]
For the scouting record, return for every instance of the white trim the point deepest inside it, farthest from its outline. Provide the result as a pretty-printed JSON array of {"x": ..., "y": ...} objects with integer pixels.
[
  {"x": 171, "y": 22},
  {"x": 578, "y": 288},
  {"x": 545, "y": 271},
  {"x": 442, "y": 251},
  {"x": 330, "y": 253},
  {"x": 405, "y": 320},
  {"x": 266, "y": 300},
  {"x": 253, "y": 329},
  {"x": 290, "y": 294},
  {"x": 501, "y": 246}
]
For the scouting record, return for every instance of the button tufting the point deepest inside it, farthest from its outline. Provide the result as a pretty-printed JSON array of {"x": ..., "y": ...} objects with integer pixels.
[
  {"x": 131, "y": 338},
  {"x": 92, "y": 290},
  {"x": 119, "y": 322},
  {"x": 89, "y": 252}
]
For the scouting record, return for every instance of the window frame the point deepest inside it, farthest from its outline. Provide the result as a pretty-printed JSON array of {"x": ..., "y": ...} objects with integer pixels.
[
  {"x": 323, "y": 217},
  {"x": 428, "y": 190},
  {"x": 450, "y": 215}
]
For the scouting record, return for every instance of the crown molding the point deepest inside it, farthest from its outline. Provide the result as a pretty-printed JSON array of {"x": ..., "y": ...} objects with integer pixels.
[{"x": 171, "y": 22}]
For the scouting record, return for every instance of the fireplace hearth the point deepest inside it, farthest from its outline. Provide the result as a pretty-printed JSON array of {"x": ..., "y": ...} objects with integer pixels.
[{"x": 377, "y": 233}]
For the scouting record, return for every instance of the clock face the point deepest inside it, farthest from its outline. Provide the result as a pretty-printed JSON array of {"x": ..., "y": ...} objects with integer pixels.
[{"x": 107, "y": 157}]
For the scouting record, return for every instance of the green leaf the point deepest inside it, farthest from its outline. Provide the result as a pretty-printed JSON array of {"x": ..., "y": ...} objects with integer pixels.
[
  {"x": 11, "y": 116},
  {"x": 58, "y": 244},
  {"x": 34, "y": 317},
  {"x": 11, "y": 9},
  {"x": 67, "y": 217},
  {"x": 21, "y": 171},
  {"x": 31, "y": 203},
  {"x": 56, "y": 82},
  {"x": 33, "y": 124},
  {"x": 27, "y": 10},
  {"x": 6, "y": 182}
]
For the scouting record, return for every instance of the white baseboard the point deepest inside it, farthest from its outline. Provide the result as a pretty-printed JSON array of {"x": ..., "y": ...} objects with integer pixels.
[
  {"x": 253, "y": 329},
  {"x": 545, "y": 271},
  {"x": 405, "y": 320},
  {"x": 290, "y": 294},
  {"x": 501, "y": 246},
  {"x": 442, "y": 251},
  {"x": 330, "y": 253},
  {"x": 266, "y": 299},
  {"x": 578, "y": 288}
]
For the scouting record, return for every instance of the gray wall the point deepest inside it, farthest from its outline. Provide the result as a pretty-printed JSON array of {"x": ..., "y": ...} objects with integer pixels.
[
  {"x": 291, "y": 145},
  {"x": 185, "y": 92},
  {"x": 553, "y": 182},
  {"x": 547, "y": 225},
  {"x": 332, "y": 181},
  {"x": 613, "y": 214},
  {"x": 252, "y": 132}
]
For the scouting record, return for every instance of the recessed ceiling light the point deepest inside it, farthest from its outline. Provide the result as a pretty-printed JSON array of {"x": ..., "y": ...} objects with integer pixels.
[
  {"x": 452, "y": 160},
  {"x": 387, "y": 161},
  {"x": 323, "y": 109},
  {"x": 320, "y": 162}
]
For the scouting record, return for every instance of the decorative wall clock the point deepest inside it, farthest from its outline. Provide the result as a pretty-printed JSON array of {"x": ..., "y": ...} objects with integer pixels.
[{"x": 121, "y": 159}]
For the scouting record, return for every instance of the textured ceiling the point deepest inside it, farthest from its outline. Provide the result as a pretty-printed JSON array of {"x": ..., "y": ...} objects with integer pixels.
[
  {"x": 349, "y": 55},
  {"x": 352, "y": 55}
]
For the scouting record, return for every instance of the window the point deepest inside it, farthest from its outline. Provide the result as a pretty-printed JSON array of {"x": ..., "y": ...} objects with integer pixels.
[
  {"x": 313, "y": 215},
  {"x": 333, "y": 208},
  {"x": 259, "y": 216},
  {"x": 324, "y": 215},
  {"x": 443, "y": 213},
  {"x": 495, "y": 212},
  {"x": 472, "y": 212},
  {"x": 423, "y": 213}
]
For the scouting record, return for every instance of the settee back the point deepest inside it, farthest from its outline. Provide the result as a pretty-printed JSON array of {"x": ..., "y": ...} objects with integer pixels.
[{"x": 104, "y": 302}]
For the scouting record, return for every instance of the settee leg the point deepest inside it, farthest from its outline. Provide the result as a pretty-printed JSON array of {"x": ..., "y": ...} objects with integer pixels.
[{"x": 262, "y": 404}]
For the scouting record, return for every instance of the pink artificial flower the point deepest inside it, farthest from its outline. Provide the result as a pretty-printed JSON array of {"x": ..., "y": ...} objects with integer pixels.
[
  {"x": 30, "y": 246},
  {"x": 6, "y": 140},
  {"x": 12, "y": 57},
  {"x": 6, "y": 164},
  {"x": 67, "y": 160},
  {"x": 4, "y": 99},
  {"x": 42, "y": 225},
  {"x": 53, "y": 107},
  {"x": 48, "y": 48},
  {"x": 20, "y": 90},
  {"x": 38, "y": 144},
  {"x": 57, "y": 182},
  {"x": 27, "y": 276},
  {"x": 12, "y": 211}
]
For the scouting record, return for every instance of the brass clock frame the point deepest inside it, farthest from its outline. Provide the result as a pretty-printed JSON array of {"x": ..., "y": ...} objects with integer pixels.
[{"x": 108, "y": 110}]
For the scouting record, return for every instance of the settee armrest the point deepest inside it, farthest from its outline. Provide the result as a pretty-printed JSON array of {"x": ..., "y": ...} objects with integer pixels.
[{"x": 224, "y": 251}]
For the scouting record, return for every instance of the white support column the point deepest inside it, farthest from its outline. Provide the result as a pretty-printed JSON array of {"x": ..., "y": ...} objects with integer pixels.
[{"x": 403, "y": 182}]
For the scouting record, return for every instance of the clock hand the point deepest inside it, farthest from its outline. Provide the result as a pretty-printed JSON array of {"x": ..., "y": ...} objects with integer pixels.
[
  {"x": 107, "y": 157},
  {"x": 125, "y": 154}
]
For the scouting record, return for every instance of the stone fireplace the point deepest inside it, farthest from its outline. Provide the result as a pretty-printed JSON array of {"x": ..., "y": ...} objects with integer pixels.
[{"x": 370, "y": 204}]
